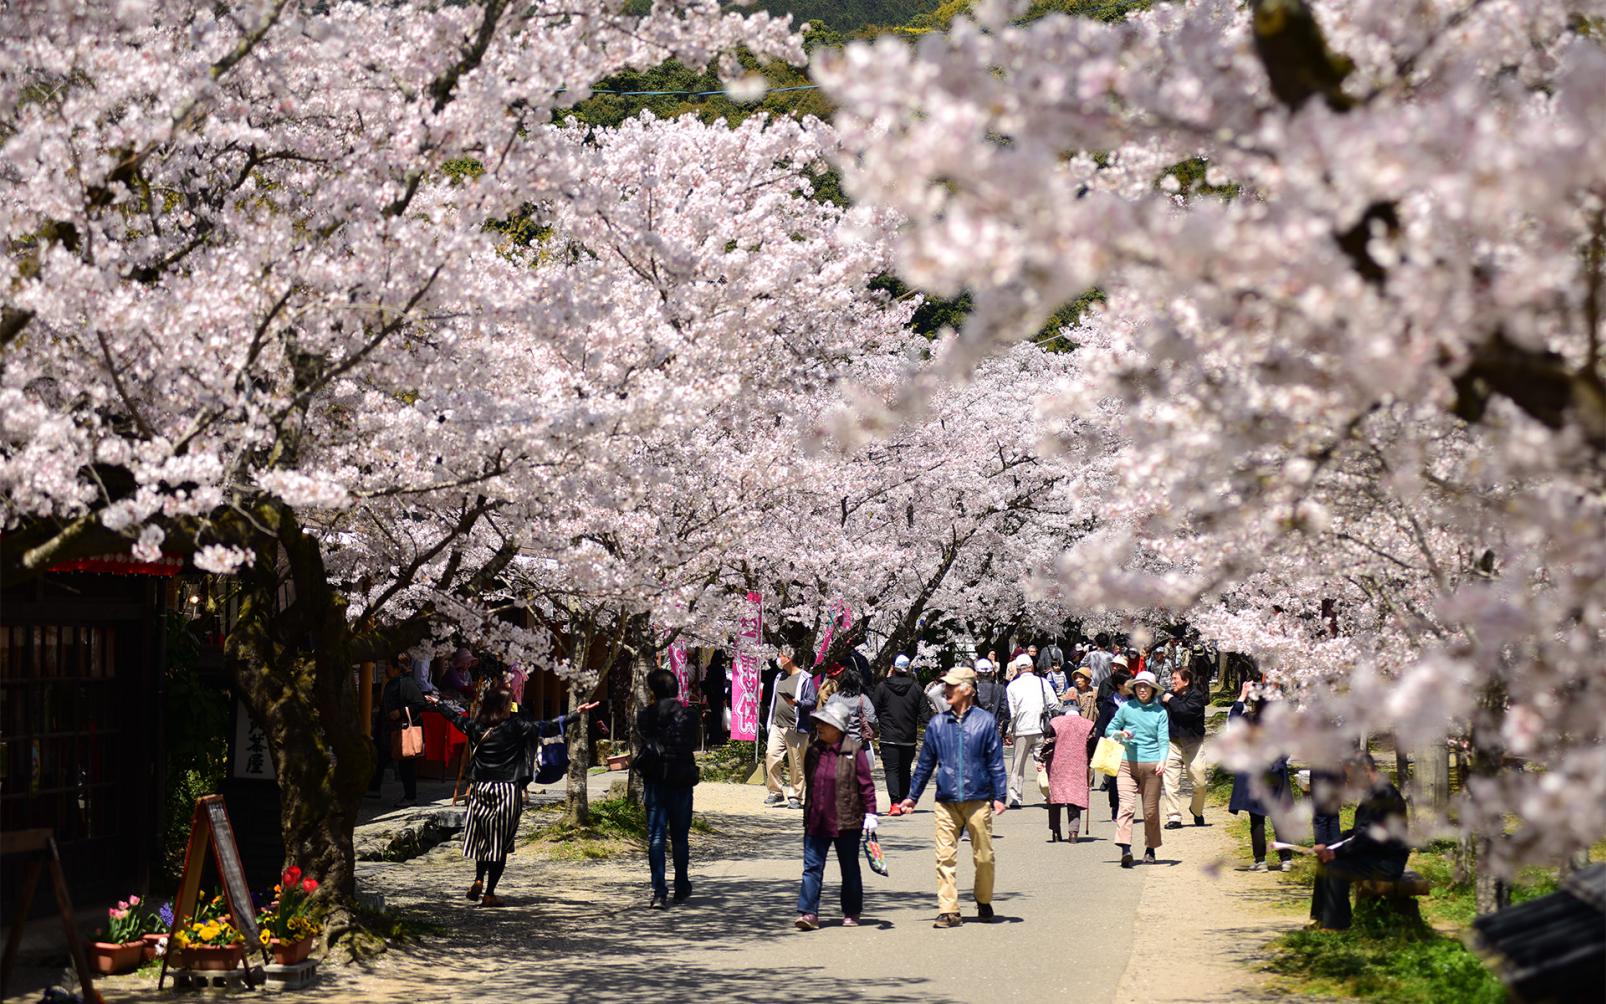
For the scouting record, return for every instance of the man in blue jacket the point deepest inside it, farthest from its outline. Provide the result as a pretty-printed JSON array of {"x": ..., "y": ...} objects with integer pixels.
[{"x": 964, "y": 750}]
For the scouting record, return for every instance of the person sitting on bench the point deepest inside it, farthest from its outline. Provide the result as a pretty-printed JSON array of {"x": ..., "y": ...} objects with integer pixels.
[{"x": 1375, "y": 849}]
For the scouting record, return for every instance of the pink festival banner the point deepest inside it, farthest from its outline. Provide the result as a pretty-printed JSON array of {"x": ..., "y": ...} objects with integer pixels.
[
  {"x": 842, "y": 618},
  {"x": 677, "y": 665},
  {"x": 744, "y": 678}
]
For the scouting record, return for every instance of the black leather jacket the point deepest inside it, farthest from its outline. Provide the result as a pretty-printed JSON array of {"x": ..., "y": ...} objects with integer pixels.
[{"x": 500, "y": 749}]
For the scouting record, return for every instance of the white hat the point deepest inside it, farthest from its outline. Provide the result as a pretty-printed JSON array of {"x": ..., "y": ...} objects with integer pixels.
[
  {"x": 1119, "y": 660},
  {"x": 983, "y": 666},
  {"x": 831, "y": 715},
  {"x": 1146, "y": 678},
  {"x": 901, "y": 662},
  {"x": 1022, "y": 661}
]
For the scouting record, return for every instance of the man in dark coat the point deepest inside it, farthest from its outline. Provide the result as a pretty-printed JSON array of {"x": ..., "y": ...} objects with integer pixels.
[
  {"x": 991, "y": 696},
  {"x": 1185, "y": 706},
  {"x": 901, "y": 708},
  {"x": 1374, "y": 849}
]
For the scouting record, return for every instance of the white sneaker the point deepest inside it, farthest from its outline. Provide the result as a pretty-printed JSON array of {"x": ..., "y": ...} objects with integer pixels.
[
  {"x": 1258, "y": 866},
  {"x": 1288, "y": 866}
]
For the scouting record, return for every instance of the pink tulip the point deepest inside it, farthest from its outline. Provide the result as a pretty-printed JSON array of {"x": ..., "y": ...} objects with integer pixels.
[
  {"x": 122, "y": 904},
  {"x": 133, "y": 901}
]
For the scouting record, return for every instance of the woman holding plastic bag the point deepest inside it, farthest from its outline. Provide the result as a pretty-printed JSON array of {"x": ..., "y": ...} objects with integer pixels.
[
  {"x": 1144, "y": 729},
  {"x": 839, "y": 805}
]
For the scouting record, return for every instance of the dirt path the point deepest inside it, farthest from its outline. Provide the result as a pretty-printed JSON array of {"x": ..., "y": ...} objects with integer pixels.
[{"x": 1202, "y": 929}]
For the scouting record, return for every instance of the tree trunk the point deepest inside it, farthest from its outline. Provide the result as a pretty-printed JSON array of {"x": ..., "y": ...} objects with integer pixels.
[
  {"x": 1430, "y": 785},
  {"x": 1490, "y": 892},
  {"x": 305, "y": 701},
  {"x": 577, "y": 810},
  {"x": 643, "y": 659},
  {"x": 1402, "y": 764}
]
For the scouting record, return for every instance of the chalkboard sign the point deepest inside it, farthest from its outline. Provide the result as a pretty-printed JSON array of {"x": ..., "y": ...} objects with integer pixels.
[
  {"x": 209, "y": 825},
  {"x": 227, "y": 854}
]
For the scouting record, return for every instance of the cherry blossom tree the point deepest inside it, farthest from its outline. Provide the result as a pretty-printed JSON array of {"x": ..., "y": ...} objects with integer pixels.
[
  {"x": 262, "y": 311},
  {"x": 1351, "y": 348}
]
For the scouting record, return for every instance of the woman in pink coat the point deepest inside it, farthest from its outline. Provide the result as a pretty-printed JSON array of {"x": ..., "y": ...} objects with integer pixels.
[{"x": 1067, "y": 773}]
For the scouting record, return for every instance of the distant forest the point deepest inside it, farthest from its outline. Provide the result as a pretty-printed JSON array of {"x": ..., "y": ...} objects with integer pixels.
[{"x": 848, "y": 15}]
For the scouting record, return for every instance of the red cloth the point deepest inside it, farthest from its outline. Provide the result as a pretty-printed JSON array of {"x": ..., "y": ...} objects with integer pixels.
[{"x": 442, "y": 739}]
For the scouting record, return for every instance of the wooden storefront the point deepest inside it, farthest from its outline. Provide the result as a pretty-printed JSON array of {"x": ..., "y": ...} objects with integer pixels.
[{"x": 81, "y": 724}]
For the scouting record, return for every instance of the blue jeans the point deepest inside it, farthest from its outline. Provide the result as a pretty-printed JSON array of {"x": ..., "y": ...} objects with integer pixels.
[
  {"x": 815, "y": 850},
  {"x": 668, "y": 817}
]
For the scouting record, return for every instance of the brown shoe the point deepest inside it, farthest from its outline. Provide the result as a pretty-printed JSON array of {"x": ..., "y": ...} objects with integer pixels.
[
  {"x": 490, "y": 900},
  {"x": 947, "y": 920},
  {"x": 475, "y": 890}
]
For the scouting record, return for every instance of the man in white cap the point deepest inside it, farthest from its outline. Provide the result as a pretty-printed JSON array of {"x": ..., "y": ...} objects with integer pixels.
[
  {"x": 901, "y": 708},
  {"x": 963, "y": 750},
  {"x": 1029, "y": 694},
  {"x": 991, "y": 696}
]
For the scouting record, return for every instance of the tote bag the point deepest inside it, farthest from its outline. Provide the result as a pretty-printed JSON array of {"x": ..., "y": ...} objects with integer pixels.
[
  {"x": 1107, "y": 756},
  {"x": 407, "y": 742}
]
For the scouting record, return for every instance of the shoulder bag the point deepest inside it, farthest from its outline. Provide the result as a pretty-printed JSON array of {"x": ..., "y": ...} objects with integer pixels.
[{"x": 407, "y": 742}]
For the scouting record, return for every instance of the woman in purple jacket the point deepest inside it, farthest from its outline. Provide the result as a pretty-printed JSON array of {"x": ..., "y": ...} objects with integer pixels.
[{"x": 839, "y": 804}]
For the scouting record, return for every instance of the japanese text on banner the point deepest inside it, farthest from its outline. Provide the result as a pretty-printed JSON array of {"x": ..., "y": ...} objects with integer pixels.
[{"x": 745, "y": 679}]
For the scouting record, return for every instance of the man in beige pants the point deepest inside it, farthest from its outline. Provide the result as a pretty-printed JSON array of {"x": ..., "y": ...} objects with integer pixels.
[
  {"x": 962, "y": 748},
  {"x": 1185, "y": 708},
  {"x": 786, "y": 744}
]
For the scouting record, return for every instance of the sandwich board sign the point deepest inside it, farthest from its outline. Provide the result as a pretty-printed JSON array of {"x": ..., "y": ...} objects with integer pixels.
[{"x": 210, "y": 828}]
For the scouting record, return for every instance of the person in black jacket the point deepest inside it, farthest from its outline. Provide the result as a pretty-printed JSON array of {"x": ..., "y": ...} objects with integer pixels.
[
  {"x": 401, "y": 703},
  {"x": 716, "y": 696},
  {"x": 667, "y": 736},
  {"x": 992, "y": 696},
  {"x": 901, "y": 708},
  {"x": 1185, "y": 705},
  {"x": 1374, "y": 849},
  {"x": 499, "y": 769},
  {"x": 1112, "y": 694}
]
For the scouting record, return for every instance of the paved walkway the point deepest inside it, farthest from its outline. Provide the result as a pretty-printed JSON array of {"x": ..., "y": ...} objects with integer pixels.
[{"x": 1071, "y": 923}]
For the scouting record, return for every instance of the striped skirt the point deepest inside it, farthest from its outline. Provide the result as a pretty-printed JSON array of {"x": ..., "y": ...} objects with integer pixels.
[{"x": 493, "y": 820}]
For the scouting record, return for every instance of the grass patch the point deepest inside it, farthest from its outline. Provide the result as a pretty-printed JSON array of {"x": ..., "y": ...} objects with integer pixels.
[
  {"x": 618, "y": 826},
  {"x": 731, "y": 763},
  {"x": 1376, "y": 961}
]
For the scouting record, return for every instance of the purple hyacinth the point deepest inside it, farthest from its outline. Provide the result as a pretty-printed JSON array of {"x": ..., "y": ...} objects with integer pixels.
[{"x": 166, "y": 914}]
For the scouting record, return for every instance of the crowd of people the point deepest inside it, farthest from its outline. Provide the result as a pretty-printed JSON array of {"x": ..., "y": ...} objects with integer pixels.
[
  {"x": 985, "y": 733},
  {"x": 1046, "y": 718}
]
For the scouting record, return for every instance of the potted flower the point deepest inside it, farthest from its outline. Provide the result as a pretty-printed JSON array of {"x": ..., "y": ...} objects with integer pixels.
[
  {"x": 156, "y": 936},
  {"x": 124, "y": 948},
  {"x": 209, "y": 941},
  {"x": 287, "y": 924}
]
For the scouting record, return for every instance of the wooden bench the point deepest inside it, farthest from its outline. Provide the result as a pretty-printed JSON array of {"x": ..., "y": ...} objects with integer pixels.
[{"x": 1397, "y": 897}]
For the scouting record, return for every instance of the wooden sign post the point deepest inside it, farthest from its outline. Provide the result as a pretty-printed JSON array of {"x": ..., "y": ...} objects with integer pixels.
[
  {"x": 210, "y": 826},
  {"x": 40, "y": 847}
]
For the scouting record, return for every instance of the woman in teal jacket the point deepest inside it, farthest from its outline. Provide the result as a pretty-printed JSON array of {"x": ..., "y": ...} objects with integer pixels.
[{"x": 1142, "y": 724}]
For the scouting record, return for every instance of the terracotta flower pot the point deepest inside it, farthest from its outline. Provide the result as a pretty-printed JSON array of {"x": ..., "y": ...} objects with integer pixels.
[
  {"x": 112, "y": 957},
  {"x": 211, "y": 957},
  {"x": 288, "y": 953},
  {"x": 152, "y": 942}
]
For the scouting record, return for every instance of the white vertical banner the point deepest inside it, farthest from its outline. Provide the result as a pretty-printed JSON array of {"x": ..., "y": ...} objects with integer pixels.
[{"x": 745, "y": 684}]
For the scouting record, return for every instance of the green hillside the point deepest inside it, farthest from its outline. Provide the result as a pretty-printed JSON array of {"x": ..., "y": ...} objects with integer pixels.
[{"x": 848, "y": 15}]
